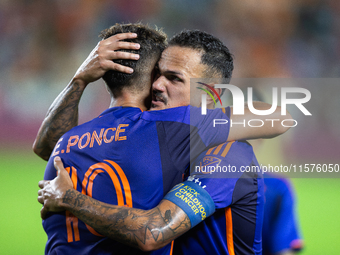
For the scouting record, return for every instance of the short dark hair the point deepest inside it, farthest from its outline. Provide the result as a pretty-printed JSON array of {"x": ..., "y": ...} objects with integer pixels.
[
  {"x": 152, "y": 43},
  {"x": 214, "y": 53}
]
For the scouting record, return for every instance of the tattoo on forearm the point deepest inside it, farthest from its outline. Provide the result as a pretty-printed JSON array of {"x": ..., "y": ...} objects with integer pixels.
[
  {"x": 69, "y": 197},
  {"x": 129, "y": 225},
  {"x": 80, "y": 200}
]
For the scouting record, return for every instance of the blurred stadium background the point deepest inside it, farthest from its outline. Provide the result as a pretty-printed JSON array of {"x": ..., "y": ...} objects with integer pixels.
[{"x": 42, "y": 43}]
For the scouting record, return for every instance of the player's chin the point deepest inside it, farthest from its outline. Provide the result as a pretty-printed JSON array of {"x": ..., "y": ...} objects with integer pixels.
[{"x": 157, "y": 105}]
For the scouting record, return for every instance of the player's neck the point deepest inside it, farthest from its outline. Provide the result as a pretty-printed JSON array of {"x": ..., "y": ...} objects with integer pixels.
[
  {"x": 211, "y": 106},
  {"x": 131, "y": 100}
]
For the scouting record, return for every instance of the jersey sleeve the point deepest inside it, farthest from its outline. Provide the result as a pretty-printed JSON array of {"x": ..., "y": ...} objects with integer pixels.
[
  {"x": 208, "y": 130},
  {"x": 184, "y": 133},
  {"x": 212, "y": 128}
]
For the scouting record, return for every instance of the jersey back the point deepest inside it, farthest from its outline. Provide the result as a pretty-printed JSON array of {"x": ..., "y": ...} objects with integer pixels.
[{"x": 129, "y": 158}]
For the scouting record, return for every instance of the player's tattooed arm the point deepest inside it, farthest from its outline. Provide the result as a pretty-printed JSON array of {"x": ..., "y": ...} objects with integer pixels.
[
  {"x": 63, "y": 113},
  {"x": 60, "y": 118},
  {"x": 143, "y": 229}
]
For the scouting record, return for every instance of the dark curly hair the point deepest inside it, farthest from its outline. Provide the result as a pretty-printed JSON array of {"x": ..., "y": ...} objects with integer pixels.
[
  {"x": 152, "y": 43},
  {"x": 214, "y": 53}
]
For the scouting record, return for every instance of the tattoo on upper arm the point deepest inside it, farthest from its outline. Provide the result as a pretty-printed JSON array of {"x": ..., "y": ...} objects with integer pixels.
[
  {"x": 167, "y": 216},
  {"x": 66, "y": 116},
  {"x": 61, "y": 117}
]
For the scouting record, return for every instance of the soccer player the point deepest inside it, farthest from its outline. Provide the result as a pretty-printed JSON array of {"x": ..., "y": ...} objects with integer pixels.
[
  {"x": 280, "y": 229},
  {"x": 233, "y": 199},
  {"x": 143, "y": 188}
]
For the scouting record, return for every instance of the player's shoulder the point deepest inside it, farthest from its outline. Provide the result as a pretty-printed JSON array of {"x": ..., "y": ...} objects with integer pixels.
[
  {"x": 230, "y": 150},
  {"x": 242, "y": 145},
  {"x": 229, "y": 155},
  {"x": 176, "y": 114},
  {"x": 119, "y": 113},
  {"x": 186, "y": 114}
]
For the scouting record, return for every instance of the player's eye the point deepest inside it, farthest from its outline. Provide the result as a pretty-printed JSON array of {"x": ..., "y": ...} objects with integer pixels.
[{"x": 174, "y": 78}]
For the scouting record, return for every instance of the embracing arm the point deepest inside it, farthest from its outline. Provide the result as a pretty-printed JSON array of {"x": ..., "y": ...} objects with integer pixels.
[
  {"x": 60, "y": 118},
  {"x": 272, "y": 127},
  {"x": 143, "y": 229},
  {"x": 63, "y": 113}
]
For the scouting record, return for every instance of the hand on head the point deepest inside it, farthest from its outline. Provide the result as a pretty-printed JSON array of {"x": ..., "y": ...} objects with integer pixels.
[{"x": 101, "y": 58}]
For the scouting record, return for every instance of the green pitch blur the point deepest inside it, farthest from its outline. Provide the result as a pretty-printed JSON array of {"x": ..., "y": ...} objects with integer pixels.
[
  {"x": 22, "y": 232},
  {"x": 21, "y": 228}
]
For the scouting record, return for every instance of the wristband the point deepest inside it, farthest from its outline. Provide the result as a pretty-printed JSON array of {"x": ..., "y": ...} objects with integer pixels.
[{"x": 193, "y": 200}]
